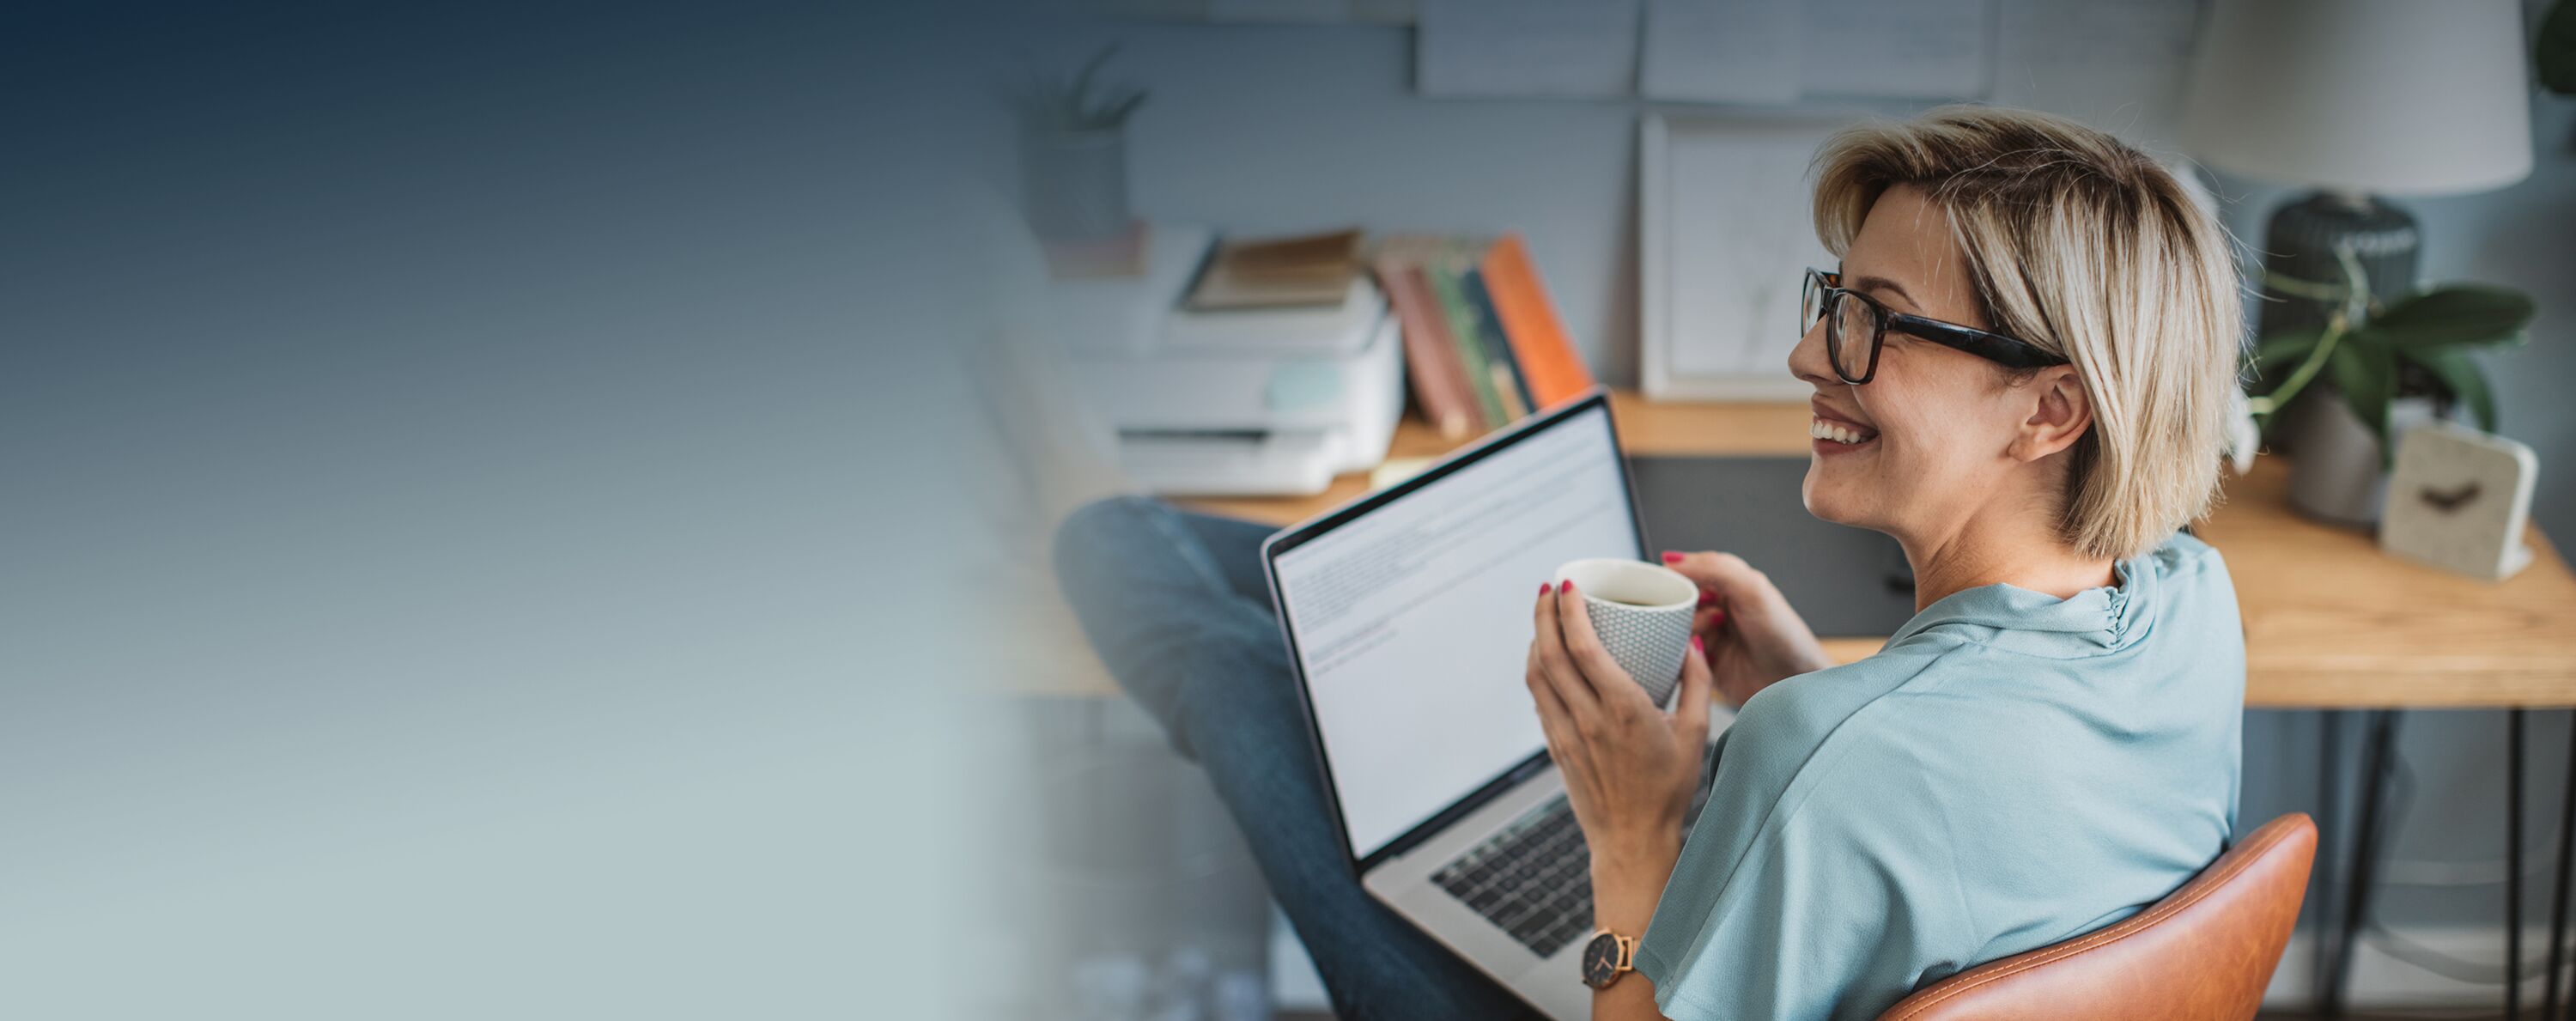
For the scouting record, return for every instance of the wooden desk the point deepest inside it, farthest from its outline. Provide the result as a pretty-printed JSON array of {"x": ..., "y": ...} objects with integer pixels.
[{"x": 2330, "y": 621}]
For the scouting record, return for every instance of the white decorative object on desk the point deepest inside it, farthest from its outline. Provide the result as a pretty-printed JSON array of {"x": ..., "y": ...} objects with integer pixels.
[{"x": 2459, "y": 498}]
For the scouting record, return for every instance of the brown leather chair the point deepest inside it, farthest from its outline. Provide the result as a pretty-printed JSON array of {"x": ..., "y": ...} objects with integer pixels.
[{"x": 2204, "y": 952}]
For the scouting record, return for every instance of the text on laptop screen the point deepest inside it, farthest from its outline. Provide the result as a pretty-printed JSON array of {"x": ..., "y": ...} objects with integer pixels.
[{"x": 1413, "y": 621}]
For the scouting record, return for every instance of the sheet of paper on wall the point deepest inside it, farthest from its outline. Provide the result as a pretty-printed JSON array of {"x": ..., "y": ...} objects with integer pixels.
[
  {"x": 2118, "y": 65},
  {"x": 1570, "y": 48},
  {"x": 1915, "y": 49},
  {"x": 1385, "y": 12},
  {"x": 1741, "y": 238},
  {"x": 1721, "y": 51},
  {"x": 1280, "y": 11}
]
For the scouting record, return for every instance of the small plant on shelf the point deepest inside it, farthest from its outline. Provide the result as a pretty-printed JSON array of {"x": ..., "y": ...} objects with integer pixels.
[
  {"x": 2421, "y": 344},
  {"x": 1078, "y": 102},
  {"x": 1073, "y": 162}
]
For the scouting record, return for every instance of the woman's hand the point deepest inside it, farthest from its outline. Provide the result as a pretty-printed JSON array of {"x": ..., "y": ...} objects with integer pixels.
[
  {"x": 1750, "y": 635},
  {"x": 1629, "y": 768}
]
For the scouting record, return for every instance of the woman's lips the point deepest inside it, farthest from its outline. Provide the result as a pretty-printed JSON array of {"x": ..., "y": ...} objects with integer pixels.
[
  {"x": 1838, "y": 432},
  {"x": 1825, "y": 428},
  {"x": 1829, "y": 433}
]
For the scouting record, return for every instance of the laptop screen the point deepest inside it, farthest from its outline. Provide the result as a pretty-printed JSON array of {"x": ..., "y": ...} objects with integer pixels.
[{"x": 1411, "y": 620}]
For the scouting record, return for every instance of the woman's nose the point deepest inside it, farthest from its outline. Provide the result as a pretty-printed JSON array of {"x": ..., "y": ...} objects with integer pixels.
[{"x": 1808, "y": 361}]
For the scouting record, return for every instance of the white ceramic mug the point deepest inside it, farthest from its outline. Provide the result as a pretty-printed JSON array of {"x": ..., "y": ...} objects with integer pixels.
[{"x": 1642, "y": 613}]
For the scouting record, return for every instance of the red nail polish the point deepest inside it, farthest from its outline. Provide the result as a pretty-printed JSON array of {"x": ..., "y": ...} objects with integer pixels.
[
  {"x": 1543, "y": 587},
  {"x": 1707, "y": 598},
  {"x": 1671, "y": 557},
  {"x": 1568, "y": 586},
  {"x": 1695, "y": 646}
]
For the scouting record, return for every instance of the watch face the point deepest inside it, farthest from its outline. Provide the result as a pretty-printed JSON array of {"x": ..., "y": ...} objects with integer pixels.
[{"x": 1601, "y": 960}]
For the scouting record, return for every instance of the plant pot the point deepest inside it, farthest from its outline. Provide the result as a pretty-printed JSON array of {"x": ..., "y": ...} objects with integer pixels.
[
  {"x": 2335, "y": 470},
  {"x": 1074, "y": 183}
]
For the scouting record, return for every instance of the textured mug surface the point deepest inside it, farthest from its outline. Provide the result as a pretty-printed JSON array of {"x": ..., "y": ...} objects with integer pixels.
[{"x": 1642, "y": 613}]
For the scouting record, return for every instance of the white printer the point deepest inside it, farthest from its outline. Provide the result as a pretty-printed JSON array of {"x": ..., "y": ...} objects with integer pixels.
[{"x": 1236, "y": 402}]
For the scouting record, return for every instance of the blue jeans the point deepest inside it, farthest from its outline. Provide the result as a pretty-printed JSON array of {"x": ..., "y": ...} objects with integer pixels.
[{"x": 1176, "y": 606}]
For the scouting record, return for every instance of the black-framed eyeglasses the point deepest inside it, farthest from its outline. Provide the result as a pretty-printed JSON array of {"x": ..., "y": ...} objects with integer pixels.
[{"x": 1856, "y": 324}]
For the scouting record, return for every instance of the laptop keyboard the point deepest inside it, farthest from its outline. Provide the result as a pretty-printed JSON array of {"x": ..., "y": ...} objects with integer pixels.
[{"x": 1533, "y": 878}]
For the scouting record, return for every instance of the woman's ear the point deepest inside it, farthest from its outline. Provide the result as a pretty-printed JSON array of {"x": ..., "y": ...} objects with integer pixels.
[{"x": 2059, "y": 418}]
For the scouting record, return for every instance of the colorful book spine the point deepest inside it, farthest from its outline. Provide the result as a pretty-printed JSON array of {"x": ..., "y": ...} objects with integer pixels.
[
  {"x": 1504, "y": 362},
  {"x": 1552, "y": 369},
  {"x": 1431, "y": 356},
  {"x": 1471, "y": 349}
]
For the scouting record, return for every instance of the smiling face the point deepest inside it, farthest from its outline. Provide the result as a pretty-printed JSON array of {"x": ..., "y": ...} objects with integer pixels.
[
  {"x": 1936, "y": 433},
  {"x": 2075, "y": 244}
]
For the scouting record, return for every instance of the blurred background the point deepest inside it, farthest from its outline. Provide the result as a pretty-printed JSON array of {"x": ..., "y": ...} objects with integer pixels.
[{"x": 543, "y": 510}]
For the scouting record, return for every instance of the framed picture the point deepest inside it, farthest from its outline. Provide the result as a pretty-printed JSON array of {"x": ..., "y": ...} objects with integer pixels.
[{"x": 1724, "y": 236}]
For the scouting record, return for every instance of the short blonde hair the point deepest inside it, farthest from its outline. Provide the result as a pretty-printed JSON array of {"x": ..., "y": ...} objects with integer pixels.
[{"x": 2080, "y": 244}]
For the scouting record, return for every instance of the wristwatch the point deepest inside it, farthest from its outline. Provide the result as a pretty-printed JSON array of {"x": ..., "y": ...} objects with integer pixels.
[{"x": 1607, "y": 957}]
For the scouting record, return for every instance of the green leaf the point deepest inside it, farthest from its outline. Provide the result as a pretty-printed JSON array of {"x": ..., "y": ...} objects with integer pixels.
[
  {"x": 2555, "y": 50},
  {"x": 2365, "y": 370},
  {"x": 2464, "y": 314},
  {"x": 2285, "y": 385},
  {"x": 2313, "y": 290},
  {"x": 2279, "y": 354},
  {"x": 2464, "y": 378}
]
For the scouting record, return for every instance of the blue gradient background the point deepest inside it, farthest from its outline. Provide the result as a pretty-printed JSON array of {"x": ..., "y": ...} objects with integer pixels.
[{"x": 466, "y": 468}]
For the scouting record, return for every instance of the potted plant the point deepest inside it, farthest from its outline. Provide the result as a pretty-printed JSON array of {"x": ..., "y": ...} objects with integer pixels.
[
  {"x": 2383, "y": 368},
  {"x": 1073, "y": 152}
]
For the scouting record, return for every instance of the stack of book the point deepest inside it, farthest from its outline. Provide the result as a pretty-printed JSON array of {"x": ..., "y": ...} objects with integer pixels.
[
  {"x": 1482, "y": 342},
  {"x": 1290, "y": 272},
  {"x": 1305, "y": 294}
]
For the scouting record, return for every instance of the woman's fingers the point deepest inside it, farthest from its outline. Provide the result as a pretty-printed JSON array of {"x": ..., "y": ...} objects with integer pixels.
[
  {"x": 1725, "y": 577},
  {"x": 1608, "y": 681},
  {"x": 1697, "y": 683},
  {"x": 1556, "y": 665},
  {"x": 1551, "y": 706},
  {"x": 1710, "y": 612},
  {"x": 1707, "y": 620},
  {"x": 1709, "y": 568},
  {"x": 1555, "y": 721}
]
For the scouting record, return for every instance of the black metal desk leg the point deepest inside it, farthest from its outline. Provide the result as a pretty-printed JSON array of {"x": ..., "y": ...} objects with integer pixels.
[
  {"x": 2376, "y": 750},
  {"x": 2513, "y": 865},
  {"x": 2321, "y": 879},
  {"x": 2558, "y": 891}
]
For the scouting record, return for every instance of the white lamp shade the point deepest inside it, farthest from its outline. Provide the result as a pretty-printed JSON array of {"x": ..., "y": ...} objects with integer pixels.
[{"x": 2397, "y": 97}]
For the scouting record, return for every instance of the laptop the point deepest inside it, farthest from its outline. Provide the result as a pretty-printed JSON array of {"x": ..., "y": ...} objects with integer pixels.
[{"x": 1407, "y": 615}]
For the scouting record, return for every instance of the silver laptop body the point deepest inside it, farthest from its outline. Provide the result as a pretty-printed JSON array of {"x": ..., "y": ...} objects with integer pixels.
[{"x": 1407, "y": 613}]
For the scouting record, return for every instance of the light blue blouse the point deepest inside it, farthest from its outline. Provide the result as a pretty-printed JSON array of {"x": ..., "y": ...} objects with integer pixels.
[{"x": 2012, "y": 770}]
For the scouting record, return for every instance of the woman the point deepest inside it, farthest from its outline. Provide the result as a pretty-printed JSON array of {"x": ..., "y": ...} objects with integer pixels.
[{"x": 2021, "y": 372}]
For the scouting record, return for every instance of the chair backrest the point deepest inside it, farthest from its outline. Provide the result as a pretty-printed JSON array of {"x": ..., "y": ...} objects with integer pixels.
[{"x": 2204, "y": 952}]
